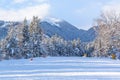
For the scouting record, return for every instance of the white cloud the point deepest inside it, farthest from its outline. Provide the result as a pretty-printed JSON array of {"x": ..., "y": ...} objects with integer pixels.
[
  {"x": 40, "y": 1},
  {"x": 115, "y": 7},
  {"x": 55, "y": 19},
  {"x": 112, "y": 6},
  {"x": 16, "y": 15},
  {"x": 112, "y": 10},
  {"x": 22, "y": 1},
  {"x": 18, "y": 1}
]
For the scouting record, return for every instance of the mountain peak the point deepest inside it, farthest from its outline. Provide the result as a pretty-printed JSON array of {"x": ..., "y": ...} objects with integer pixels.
[
  {"x": 53, "y": 21},
  {"x": 57, "y": 26},
  {"x": 66, "y": 30}
]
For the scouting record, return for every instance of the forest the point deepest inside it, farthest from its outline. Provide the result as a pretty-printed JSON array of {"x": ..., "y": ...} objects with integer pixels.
[{"x": 27, "y": 40}]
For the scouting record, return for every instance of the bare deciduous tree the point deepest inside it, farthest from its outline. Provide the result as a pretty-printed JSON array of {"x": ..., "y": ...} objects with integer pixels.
[{"x": 108, "y": 33}]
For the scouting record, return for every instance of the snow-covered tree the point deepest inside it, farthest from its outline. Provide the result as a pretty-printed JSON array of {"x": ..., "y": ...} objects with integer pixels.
[
  {"x": 26, "y": 34},
  {"x": 36, "y": 35},
  {"x": 56, "y": 46},
  {"x": 10, "y": 43},
  {"x": 26, "y": 40},
  {"x": 108, "y": 38}
]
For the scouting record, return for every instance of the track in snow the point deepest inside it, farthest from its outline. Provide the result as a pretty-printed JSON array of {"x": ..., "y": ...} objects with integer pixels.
[{"x": 60, "y": 68}]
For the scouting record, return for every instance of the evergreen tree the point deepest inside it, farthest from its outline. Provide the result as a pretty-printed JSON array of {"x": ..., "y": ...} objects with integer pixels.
[
  {"x": 36, "y": 46},
  {"x": 25, "y": 32},
  {"x": 10, "y": 43},
  {"x": 26, "y": 40}
]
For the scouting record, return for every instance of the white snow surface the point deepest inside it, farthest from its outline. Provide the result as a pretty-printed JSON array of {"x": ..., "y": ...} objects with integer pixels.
[
  {"x": 53, "y": 21},
  {"x": 60, "y": 68}
]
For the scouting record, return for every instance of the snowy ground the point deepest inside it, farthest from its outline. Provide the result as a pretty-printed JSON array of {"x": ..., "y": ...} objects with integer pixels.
[{"x": 60, "y": 68}]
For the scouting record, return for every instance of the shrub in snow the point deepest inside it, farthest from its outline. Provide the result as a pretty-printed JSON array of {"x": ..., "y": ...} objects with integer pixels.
[
  {"x": 113, "y": 56},
  {"x": 118, "y": 55}
]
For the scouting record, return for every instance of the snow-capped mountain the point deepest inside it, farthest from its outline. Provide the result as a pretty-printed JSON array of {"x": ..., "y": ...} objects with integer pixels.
[
  {"x": 66, "y": 30},
  {"x": 52, "y": 26}
]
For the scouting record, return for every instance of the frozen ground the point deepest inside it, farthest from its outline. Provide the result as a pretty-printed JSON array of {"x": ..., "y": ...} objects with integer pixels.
[{"x": 60, "y": 68}]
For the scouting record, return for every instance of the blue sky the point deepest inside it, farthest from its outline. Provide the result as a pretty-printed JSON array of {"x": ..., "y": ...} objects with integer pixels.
[{"x": 81, "y": 13}]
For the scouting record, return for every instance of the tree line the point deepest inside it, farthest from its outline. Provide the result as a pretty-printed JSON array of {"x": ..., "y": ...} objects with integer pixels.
[{"x": 27, "y": 40}]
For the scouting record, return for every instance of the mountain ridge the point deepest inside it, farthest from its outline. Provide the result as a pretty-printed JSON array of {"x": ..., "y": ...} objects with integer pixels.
[
  {"x": 67, "y": 30},
  {"x": 56, "y": 26}
]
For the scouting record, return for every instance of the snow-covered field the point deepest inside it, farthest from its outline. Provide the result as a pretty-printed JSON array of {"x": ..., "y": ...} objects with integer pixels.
[{"x": 60, "y": 68}]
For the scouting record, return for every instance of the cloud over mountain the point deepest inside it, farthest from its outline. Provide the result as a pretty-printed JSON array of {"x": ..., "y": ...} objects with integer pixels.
[{"x": 41, "y": 11}]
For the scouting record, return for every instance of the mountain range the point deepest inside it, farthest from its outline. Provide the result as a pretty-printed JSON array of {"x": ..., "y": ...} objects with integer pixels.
[{"x": 54, "y": 26}]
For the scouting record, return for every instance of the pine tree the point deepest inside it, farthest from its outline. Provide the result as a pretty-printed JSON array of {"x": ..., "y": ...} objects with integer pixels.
[
  {"x": 26, "y": 40},
  {"x": 36, "y": 38},
  {"x": 25, "y": 32},
  {"x": 10, "y": 43}
]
